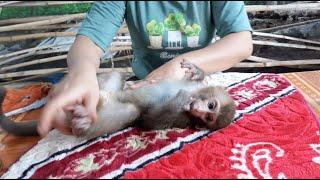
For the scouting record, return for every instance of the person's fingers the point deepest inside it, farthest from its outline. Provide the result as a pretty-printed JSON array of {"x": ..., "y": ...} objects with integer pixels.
[
  {"x": 46, "y": 120},
  {"x": 90, "y": 103},
  {"x": 53, "y": 107},
  {"x": 62, "y": 127}
]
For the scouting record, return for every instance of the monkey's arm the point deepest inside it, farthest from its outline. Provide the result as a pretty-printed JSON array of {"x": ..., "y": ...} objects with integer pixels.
[{"x": 168, "y": 114}]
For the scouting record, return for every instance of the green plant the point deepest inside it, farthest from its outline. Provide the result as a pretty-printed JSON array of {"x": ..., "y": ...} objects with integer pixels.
[
  {"x": 174, "y": 22},
  {"x": 154, "y": 28},
  {"x": 21, "y": 12},
  {"x": 193, "y": 30}
]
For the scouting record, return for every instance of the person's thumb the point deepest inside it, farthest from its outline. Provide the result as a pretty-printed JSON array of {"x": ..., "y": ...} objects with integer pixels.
[{"x": 90, "y": 103}]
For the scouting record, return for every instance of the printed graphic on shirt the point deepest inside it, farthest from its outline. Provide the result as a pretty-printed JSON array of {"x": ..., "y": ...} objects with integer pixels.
[{"x": 176, "y": 28}]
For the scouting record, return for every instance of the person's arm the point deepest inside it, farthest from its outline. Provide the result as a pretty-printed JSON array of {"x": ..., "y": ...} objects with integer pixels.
[
  {"x": 80, "y": 86},
  {"x": 219, "y": 56},
  {"x": 232, "y": 24}
]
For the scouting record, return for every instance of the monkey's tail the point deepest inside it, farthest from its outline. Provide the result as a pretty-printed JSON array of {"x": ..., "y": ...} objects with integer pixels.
[{"x": 19, "y": 129}]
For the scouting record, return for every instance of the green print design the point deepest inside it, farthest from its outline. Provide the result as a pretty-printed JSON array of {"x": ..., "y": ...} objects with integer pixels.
[
  {"x": 193, "y": 30},
  {"x": 154, "y": 28},
  {"x": 155, "y": 31},
  {"x": 175, "y": 25},
  {"x": 174, "y": 22}
]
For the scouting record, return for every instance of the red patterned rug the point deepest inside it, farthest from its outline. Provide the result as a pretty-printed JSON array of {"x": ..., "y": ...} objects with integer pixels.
[{"x": 275, "y": 135}]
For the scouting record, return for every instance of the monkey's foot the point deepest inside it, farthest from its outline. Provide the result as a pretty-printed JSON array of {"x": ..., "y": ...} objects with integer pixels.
[
  {"x": 193, "y": 72},
  {"x": 80, "y": 122}
]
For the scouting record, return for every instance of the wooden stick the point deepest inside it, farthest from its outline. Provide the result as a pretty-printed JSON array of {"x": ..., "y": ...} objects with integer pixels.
[
  {"x": 27, "y": 78},
  {"x": 51, "y": 51},
  {"x": 45, "y": 3},
  {"x": 8, "y": 3},
  {"x": 43, "y": 22},
  {"x": 43, "y": 71},
  {"x": 120, "y": 48},
  {"x": 28, "y": 19},
  {"x": 37, "y": 61},
  {"x": 286, "y": 7},
  {"x": 122, "y": 58},
  {"x": 48, "y": 27},
  {"x": 54, "y": 58},
  {"x": 38, "y": 35},
  {"x": 273, "y": 63},
  {"x": 292, "y": 62},
  {"x": 285, "y": 37},
  {"x": 119, "y": 43},
  {"x": 247, "y": 65},
  {"x": 15, "y": 58},
  {"x": 112, "y": 49},
  {"x": 270, "y": 43},
  {"x": 25, "y": 51},
  {"x": 34, "y": 51},
  {"x": 259, "y": 59},
  {"x": 31, "y": 50},
  {"x": 286, "y": 26}
]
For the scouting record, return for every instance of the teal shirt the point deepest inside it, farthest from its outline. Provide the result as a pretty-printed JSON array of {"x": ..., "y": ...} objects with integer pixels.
[{"x": 162, "y": 30}]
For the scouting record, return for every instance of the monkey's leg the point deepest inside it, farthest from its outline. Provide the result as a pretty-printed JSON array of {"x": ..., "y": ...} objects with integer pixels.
[
  {"x": 193, "y": 72},
  {"x": 112, "y": 81},
  {"x": 80, "y": 122},
  {"x": 113, "y": 116}
]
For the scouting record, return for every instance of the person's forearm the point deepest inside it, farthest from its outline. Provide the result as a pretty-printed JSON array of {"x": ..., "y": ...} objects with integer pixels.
[
  {"x": 221, "y": 55},
  {"x": 84, "y": 55}
]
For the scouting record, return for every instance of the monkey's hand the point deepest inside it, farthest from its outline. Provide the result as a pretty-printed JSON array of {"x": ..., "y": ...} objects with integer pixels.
[
  {"x": 193, "y": 72},
  {"x": 81, "y": 121},
  {"x": 183, "y": 100}
]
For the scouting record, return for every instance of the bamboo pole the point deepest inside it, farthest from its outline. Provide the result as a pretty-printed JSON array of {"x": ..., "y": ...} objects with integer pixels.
[
  {"x": 43, "y": 71},
  {"x": 41, "y": 35},
  {"x": 54, "y": 58},
  {"x": 270, "y": 43},
  {"x": 27, "y": 19},
  {"x": 248, "y": 65},
  {"x": 4, "y": 4},
  {"x": 31, "y": 50},
  {"x": 45, "y": 3},
  {"x": 292, "y": 62},
  {"x": 43, "y": 22},
  {"x": 286, "y": 7},
  {"x": 25, "y": 51},
  {"x": 48, "y": 27},
  {"x": 34, "y": 52},
  {"x": 259, "y": 59},
  {"x": 37, "y": 61},
  {"x": 112, "y": 49},
  {"x": 287, "y": 26},
  {"x": 36, "y": 36},
  {"x": 15, "y": 58},
  {"x": 285, "y": 37},
  {"x": 273, "y": 63}
]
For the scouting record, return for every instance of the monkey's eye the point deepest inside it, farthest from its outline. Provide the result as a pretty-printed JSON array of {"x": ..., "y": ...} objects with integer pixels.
[{"x": 211, "y": 105}]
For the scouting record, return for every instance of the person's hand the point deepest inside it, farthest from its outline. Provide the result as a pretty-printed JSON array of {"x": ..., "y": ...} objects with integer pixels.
[
  {"x": 78, "y": 87},
  {"x": 170, "y": 70}
]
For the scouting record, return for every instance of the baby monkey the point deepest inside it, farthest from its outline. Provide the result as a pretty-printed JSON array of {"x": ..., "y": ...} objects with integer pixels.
[{"x": 162, "y": 105}]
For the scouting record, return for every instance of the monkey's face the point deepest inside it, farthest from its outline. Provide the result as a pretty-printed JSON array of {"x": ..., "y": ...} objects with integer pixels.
[
  {"x": 206, "y": 111},
  {"x": 213, "y": 109}
]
